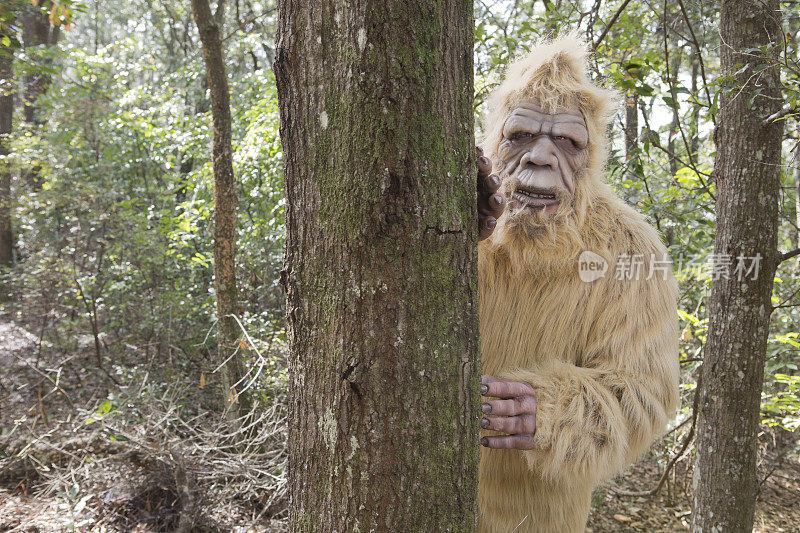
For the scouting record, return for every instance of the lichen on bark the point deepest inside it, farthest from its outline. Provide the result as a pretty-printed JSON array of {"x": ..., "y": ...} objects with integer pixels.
[{"x": 381, "y": 264}]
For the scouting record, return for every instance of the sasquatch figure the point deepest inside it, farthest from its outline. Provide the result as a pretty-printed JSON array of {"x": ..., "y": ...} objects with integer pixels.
[{"x": 578, "y": 313}]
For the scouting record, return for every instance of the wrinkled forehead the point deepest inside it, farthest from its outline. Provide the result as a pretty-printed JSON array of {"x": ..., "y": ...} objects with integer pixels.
[{"x": 530, "y": 115}]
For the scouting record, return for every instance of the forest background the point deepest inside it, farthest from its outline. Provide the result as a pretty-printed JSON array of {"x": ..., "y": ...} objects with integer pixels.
[{"x": 110, "y": 410}]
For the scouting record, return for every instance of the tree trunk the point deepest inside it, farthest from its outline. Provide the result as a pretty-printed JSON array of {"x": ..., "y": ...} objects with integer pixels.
[
  {"x": 631, "y": 140},
  {"x": 381, "y": 264},
  {"x": 224, "y": 213},
  {"x": 675, "y": 65},
  {"x": 795, "y": 230},
  {"x": 6, "y": 114},
  {"x": 695, "y": 142},
  {"x": 36, "y": 33},
  {"x": 747, "y": 171}
]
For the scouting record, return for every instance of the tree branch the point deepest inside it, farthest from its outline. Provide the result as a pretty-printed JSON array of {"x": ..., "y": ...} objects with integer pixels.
[
  {"x": 788, "y": 255},
  {"x": 610, "y": 24},
  {"x": 699, "y": 57},
  {"x": 785, "y": 111},
  {"x": 219, "y": 15},
  {"x": 671, "y": 84}
]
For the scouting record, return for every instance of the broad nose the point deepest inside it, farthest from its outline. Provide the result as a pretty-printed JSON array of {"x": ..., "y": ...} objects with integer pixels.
[{"x": 541, "y": 154}]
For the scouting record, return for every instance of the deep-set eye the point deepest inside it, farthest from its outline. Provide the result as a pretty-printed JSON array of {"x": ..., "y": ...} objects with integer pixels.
[
  {"x": 565, "y": 142},
  {"x": 521, "y": 136}
]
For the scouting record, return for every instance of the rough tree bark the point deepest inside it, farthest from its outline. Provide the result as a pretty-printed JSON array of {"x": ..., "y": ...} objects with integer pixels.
[
  {"x": 381, "y": 263},
  {"x": 6, "y": 114},
  {"x": 747, "y": 171},
  {"x": 224, "y": 212}
]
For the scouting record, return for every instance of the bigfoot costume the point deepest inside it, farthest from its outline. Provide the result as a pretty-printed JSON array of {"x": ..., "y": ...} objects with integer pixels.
[{"x": 582, "y": 374}]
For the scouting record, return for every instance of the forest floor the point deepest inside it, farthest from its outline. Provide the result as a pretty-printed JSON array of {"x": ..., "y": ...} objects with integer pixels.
[
  {"x": 778, "y": 506},
  {"x": 60, "y": 473}
]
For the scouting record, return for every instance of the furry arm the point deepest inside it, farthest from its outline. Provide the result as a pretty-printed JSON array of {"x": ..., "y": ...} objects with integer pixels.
[{"x": 598, "y": 414}]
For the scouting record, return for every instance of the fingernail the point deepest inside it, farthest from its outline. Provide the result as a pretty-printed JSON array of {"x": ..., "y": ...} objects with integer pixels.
[
  {"x": 486, "y": 408},
  {"x": 484, "y": 389},
  {"x": 485, "y": 442},
  {"x": 498, "y": 199},
  {"x": 484, "y": 423},
  {"x": 491, "y": 223},
  {"x": 483, "y": 159},
  {"x": 496, "y": 180}
]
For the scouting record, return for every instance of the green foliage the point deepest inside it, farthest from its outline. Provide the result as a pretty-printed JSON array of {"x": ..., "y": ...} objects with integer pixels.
[
  {"x": 113, "y": 209},
  {"x": 117, "y": 228},
  {"x": 669, "y": 174}
]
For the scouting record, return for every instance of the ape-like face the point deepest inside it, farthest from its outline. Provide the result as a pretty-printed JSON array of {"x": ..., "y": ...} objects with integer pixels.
[{"x": 543, "y": 153}]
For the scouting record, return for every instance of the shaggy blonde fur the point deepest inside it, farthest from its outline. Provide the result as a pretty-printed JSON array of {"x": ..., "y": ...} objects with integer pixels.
[{"x": 602, "y": 356}]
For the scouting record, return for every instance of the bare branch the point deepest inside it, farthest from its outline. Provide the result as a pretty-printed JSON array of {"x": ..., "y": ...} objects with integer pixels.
[
  {"x": 789, "y": 255},
  {"x": 785, "y": 111},
  {"x": 693, "y": 164},
  {"x": 610, "y": 24},
  {"x": 699, "y": 56}
]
